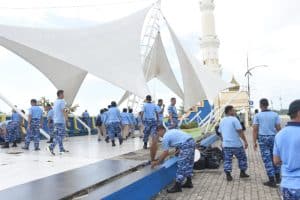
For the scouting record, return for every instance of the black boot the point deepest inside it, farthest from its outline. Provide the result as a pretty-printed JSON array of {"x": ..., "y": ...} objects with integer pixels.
[
  {"x": 6, "y": 145},
  {"x": 175, "y": 188},
  {"x": 145, "y": 145},
  {"x": 25, "y": 147},
  {"x": 243, "y": 174},
  {"x": 271, "y": 182},
  {"x": 278, "y": 178},
  {"x": 121, "y": 141},
  {"x": 14, "y": 144},
  {"x": 113, "y": 143},
  {"x": 50, "y": 141},
  {"x": 107, "y": 139},
  {"x": 188, "y": 183},
  {"x": 228, "y": 176}
]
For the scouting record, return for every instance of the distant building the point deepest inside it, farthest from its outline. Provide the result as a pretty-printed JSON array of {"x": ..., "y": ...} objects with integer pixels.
[{"x": 236, "y": 97}]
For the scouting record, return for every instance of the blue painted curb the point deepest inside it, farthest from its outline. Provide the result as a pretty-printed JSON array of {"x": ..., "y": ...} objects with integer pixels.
[{"x": 148, "y": 186}]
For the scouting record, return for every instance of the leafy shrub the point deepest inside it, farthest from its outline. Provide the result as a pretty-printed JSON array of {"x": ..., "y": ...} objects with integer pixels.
[{"x": 189, "y": 125}]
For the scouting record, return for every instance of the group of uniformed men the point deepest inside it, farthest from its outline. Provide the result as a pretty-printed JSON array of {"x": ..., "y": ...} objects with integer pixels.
[
  {"x": 113, "y": 123},
  {"x": 57, "y": 120},
  {"x": 279, "y": 148}
]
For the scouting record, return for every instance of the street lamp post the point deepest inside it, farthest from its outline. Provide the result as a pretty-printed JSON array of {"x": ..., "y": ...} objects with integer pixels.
[{"x": 248, "y": 74}]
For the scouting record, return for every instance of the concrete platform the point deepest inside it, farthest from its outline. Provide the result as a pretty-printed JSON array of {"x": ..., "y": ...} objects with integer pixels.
[
  {"x": 18, "y": 166},
  {"x": 67, "y": 184},
  {"x": 212, "y": 185}
]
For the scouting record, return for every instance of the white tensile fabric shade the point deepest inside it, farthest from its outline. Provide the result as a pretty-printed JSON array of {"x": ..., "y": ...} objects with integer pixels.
[
  {"x": 157, "y": 66},
  {"x": 61, "y": 74},
  {"x": 110, "y": 51},
  {"x": 125, "y": 96},
  {"x": 198, "y": 83}
]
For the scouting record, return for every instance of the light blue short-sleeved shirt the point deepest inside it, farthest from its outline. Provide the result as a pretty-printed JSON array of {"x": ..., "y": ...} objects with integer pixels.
[
  {"x": 125, "y": 118},
  {"x": 229, "y": 127},
  {"x": 173, "y": 138},
  {"x": 35, "y": 112},
  {"x": 287, "y": 147},
  {"x": 104, "y": 117},
  {"x": 58, "y": 114},
  {"x": 172, "y": 110},
  {"x": 160, "y": 115},
  {"x": 266, "y": 122},
  {"x": 131, "y": 119},
  {"x": 113, "y": 115},
  {"x": 16, "y": 117},
  {"x": 150, "y": 111},
  {"x": 50, "y": 114},
  {"x": 85, "y": 115}
]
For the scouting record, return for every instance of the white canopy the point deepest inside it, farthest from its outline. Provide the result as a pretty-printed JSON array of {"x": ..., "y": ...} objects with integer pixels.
[
  {"x": 198, "y": 83},
  {"x": 157, "y": 66},
  {"x": 67, "y": 77},
  {"x": 110, "y": 51}
]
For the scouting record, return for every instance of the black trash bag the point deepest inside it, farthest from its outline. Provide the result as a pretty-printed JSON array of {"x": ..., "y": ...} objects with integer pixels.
[{"x": 210, "y": 159}]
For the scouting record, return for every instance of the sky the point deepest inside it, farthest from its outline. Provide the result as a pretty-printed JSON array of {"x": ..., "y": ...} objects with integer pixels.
[{"x": 268, "y": 31}]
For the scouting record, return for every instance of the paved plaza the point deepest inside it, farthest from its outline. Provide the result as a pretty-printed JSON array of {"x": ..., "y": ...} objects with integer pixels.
[{"x": 212, "y": 184}]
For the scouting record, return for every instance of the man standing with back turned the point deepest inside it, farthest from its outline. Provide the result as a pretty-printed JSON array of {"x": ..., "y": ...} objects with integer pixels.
[
  {"x": 287, "y": 152},
  {"x": 265, "y": 126},
  {"x": 60, "y": 117},
  {"x": 232, "y": 131}
]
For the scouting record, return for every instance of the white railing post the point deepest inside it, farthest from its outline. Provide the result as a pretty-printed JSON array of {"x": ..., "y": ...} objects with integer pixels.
[{"x": 83, "y": 124}]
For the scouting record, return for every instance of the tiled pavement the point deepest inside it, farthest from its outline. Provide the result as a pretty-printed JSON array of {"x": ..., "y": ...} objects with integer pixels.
[{"x": 212, "y": 185}]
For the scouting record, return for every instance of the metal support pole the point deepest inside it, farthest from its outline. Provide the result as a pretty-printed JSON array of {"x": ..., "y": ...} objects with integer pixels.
[{"x": 43, "y": 132}]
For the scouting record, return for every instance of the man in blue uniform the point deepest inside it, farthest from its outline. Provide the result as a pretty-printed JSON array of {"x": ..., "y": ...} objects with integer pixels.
[
  {"x": 12, "y": 129},
  {"x": 185, "y": 146},
  {"x": 50, "y": 123},
  {"x": 104, "y": 124},
  {"x": 150, "y": 117},
  {"x": 60, "y": 117},
  {"x": 99, "y": 124},
  {"x": 125, "y": 121},
  {"x": 17, "y": 120},
  {"x": 3, "y": 131},
  {"x": 35, "y": 122},
  {"x": 265, "y": 126},
  {"x": 173, "y": 116},
  {"x": 7, "y": 132},
  {"x": 232, "y": 133},
  {"x": 287, "y": 154},
  {"x": 114, "y": 123},
  {"x": 132, "y": 122},
  {"x": 160, "y": 110},
  {"x": 86, "y": 117}
]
